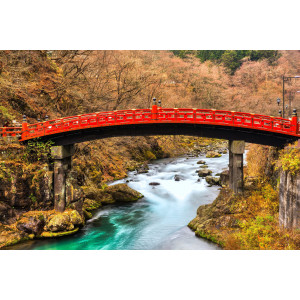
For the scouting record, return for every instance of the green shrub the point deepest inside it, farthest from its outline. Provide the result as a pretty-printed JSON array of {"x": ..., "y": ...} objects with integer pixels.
[
  {"x": 289, "y": 160},
  {"x": 38, "y": 151}
]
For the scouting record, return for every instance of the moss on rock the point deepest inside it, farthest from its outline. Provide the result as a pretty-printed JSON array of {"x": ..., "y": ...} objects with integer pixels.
[
  {"x": 47, "y": 234},
  {"x": 212, "y": 154},
  {"x": 123, "y": 193},
  {"x": 90, "y": 204}
]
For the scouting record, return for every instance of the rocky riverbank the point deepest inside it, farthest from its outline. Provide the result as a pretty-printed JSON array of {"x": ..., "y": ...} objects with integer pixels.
[
  {"x": 250, "y": 220},
  {"x": 26, "y": 204},
  {"x": 49, "y": 223}
]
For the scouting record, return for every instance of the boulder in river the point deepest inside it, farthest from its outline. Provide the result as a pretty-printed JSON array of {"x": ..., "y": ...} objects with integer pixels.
[
  {"x": 204, "y": 172},
  {"x": 212, "y": 154},
  {"x": 201, "y": 162},
  {"x": 178, "y": 177},
  {"x": 154, "y": 183},
  {"x": 123, "y": 193},
  {"x": 95, "y": 197},
  {"x": 212, "y": 180},
  {"x": 204, "y": 167}
]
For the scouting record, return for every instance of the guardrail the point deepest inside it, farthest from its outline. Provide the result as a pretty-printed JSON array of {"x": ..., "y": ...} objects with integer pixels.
[
  {"x": 156, "y": 115},
  {"x": 10, "y": 131}
]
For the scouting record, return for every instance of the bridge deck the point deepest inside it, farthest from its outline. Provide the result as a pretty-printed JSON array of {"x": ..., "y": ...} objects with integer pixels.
[{"x": 267, "y": 124}]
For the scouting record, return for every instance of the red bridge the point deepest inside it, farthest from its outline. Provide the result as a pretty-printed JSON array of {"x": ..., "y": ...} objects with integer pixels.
[{"x": 253, "y": 128}]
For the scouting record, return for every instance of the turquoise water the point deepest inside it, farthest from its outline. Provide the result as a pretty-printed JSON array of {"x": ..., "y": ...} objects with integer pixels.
[{"x": 158, "y": 221}]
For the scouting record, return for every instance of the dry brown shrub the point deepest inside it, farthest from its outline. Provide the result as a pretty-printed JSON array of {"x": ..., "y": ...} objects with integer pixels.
[{"x": 255, "y": 160}]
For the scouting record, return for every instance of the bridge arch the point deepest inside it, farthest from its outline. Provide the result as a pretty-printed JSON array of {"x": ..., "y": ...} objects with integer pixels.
[{"x": 252, "y": 128}]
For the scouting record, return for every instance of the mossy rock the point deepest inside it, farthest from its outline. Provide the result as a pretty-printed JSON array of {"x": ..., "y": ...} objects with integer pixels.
[
  {"x": 107, "y": 199},
  {"x": 110, "y": 195},
  {"x": 65, "y": 221},
  {"x": 91, "y": 204},
  {"x": 11, "y": 237},
  {"x": 87, "y": 214},
  {"x": 75, "y": 218},
  {"x": 59, "y": 222},
  {"x": 47, "y": 234},
  {"x": 204, "y": 172},
  {"x": 123, "y": 193},
  {"x": 212, "y": 180},
  {"x": 213, "y": 154}
]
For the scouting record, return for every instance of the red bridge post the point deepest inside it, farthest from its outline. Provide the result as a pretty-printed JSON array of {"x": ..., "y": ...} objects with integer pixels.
[
  {"x": 24, "y": 127},
  {"x": 295, "y": 121},
  {"x": 154, "y": 110}
]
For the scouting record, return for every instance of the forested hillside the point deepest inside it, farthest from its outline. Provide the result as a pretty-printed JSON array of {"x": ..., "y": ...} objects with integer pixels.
[{"x": 63, "y": 83}]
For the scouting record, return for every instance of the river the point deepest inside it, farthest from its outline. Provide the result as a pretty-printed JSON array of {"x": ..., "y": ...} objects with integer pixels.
[{"x": 157, "y": 221}]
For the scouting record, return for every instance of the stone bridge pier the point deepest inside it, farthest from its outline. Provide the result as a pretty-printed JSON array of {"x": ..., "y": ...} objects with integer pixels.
[
  {"x": 62, "y": 158},
  {"x": 236, "y": 174}
]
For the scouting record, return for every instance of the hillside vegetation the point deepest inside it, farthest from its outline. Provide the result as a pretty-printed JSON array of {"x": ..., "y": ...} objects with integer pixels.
[{"x": 64, "y": 83}]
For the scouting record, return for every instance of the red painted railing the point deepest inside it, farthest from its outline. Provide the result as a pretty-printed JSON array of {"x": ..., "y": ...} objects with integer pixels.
[
  {"x": 156, "y": 115},
  {"x": 10, "y": 131}
]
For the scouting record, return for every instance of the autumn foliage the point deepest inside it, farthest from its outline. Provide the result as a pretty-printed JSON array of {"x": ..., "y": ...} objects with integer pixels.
[{"x": 63, "y": 83}]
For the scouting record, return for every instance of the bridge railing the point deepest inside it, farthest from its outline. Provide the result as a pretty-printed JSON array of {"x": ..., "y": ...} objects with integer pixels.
[
  {"x": 160, "y": 115},
  {"x": 10, "y": 131},
  {"x": 219, "y": 117}
]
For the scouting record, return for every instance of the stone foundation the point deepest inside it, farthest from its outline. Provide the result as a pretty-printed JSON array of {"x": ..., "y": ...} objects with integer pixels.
[{"x": 236, "y": 151}]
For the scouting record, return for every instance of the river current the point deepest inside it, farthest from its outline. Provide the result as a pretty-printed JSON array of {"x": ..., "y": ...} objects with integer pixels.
[{"x": 157, "y": 221}]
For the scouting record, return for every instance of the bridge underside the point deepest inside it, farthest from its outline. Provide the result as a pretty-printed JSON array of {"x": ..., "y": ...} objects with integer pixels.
[{"x": 199, "y": 130}]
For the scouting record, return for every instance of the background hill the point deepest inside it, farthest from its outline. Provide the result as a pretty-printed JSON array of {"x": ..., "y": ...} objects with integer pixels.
[{"x": 63, "y": 83}]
